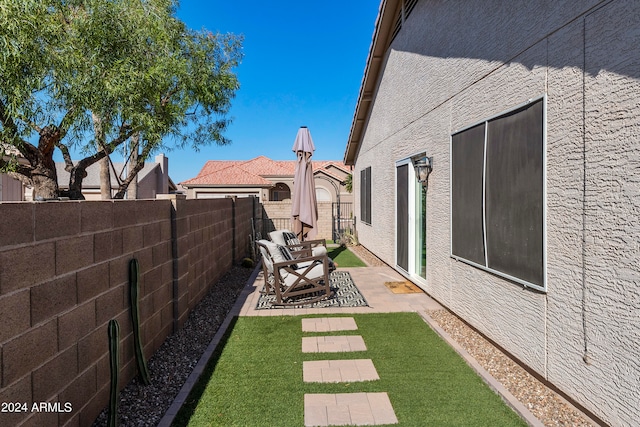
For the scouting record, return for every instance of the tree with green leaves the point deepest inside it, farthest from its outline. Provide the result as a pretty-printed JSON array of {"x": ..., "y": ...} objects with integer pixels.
[{"x": 88, "y": 75}]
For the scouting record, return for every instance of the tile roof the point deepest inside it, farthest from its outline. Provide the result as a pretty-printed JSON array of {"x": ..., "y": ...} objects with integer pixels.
[
  {"x": 251, "y": 172},
  {"x": 229, "y": 175}
]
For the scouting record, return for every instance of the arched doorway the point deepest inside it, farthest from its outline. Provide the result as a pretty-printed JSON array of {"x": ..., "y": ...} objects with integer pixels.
[{"x": 279, "y": 192}]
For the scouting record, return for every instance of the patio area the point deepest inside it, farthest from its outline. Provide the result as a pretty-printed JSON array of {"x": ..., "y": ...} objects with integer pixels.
[
  {"x": 370, "y": 282},
  {"x": 341, "y": 409}
]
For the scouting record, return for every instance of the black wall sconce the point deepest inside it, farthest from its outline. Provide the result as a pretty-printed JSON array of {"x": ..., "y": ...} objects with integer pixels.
[{"x": 423, "y": 166}]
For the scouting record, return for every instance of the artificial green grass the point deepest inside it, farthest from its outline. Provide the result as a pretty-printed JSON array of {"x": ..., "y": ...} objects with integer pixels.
[
  {"x": 345, "y": 258},
  {"x": 256, "y": 380}
]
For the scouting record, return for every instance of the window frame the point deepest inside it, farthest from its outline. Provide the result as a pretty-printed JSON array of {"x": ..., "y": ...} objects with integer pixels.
[
  {"x": 365, "y": 195},
  {"x": 486, "y": 122}
]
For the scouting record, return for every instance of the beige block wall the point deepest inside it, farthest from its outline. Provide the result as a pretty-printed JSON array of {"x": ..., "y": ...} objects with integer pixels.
[
  {"x": 64, "y": 275},
  {"x": 280, "y": 212},
  {"x": 583, "y": 57}
]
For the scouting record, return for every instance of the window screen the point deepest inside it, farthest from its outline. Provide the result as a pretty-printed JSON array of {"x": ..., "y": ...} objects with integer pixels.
[
  {"x": 365, "y": 195},
  {"x": 514, "y": 198},
  {"x": 497, "y": 194},
  {"x": 467, "y": 240}
]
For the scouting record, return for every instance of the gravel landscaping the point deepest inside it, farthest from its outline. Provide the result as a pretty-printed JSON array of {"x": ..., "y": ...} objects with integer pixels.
[
  {"x": 171, "y": 365},
  {"x": 544, "y": 403}
]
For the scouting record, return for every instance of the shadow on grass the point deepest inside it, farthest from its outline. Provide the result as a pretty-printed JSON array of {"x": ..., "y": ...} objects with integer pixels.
[
  {"x": 333, "y": 253},
  {"x": 188, "y": 408},
  {"x": 345, "y": 258}
]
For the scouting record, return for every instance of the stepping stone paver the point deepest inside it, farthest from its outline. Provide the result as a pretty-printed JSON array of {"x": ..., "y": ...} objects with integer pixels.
[
  {"x": 333, "y": 344},
  {"x": 329, "y": 324},
  {"x": 343, "y": 408},
  {"x": 335, "y": 371},
  {"x": 348, "y": 409}
]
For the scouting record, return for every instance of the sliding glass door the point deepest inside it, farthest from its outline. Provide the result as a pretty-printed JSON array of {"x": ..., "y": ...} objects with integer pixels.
[{"x": 411, "y": 224}]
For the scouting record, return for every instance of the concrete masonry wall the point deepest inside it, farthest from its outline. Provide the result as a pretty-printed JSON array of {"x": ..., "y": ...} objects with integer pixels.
[
  {"x": 283, "y": 210},
  {"x": 64, "y": 275},
  {"x": 454, "y": 64}
]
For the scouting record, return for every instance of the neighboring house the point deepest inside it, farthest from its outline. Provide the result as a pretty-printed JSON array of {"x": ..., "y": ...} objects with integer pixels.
[
  {"x": 10, "y": 189},
  {"x": 528, "y": 225},
  {"x": 153, "y": 179},
  {"x": 266, "y": 179}
]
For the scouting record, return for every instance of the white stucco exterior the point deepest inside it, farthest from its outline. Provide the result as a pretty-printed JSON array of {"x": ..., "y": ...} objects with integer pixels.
[{"x": 457, "y": 63}]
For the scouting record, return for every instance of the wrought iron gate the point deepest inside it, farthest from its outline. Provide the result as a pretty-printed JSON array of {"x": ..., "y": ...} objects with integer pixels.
[{"x": 341, "y": 219}]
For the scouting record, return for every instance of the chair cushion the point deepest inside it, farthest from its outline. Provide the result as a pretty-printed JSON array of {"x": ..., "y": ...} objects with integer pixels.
[
  {"x": 284, "y": 238},
  {"x": 318, "y": 250},
  {"x": 276, "y": 254},
  {"x": 277, "y": 237},
  {"x": 268, "y": 263},
  {"x": 315, "y": 272},
  {"x": 286, "y": 255}
]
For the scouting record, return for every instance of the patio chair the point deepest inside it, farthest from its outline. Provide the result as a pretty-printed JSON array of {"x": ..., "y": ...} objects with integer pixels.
[
  {"x": 305, "y": 248},
  {"x": 289, "y": 278}
]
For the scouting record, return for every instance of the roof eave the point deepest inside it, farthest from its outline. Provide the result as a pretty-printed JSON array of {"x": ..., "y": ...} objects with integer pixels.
[{"x": 377, "y": 49}]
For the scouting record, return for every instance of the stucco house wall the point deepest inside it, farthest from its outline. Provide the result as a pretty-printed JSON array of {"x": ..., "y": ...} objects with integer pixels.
[{"x": 454, "y": 64}]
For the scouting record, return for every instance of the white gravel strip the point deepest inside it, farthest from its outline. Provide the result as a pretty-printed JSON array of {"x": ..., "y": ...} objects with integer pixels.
[{"x": 545, "y": 404}]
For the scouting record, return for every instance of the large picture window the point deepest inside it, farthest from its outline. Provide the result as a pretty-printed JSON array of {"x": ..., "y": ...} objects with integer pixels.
[
  {"x": 365, "y": 195},
  {"x": 497, "y": 195}
]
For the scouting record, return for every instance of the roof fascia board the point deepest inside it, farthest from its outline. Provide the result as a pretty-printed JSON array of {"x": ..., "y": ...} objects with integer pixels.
[{"x": 379, "y": 44}]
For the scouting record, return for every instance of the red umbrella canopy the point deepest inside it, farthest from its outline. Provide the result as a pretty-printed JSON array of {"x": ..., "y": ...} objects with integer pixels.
[{"x": 304, "y": 209}]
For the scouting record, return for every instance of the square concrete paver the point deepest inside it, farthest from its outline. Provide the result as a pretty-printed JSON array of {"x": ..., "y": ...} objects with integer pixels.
[
  {"x": 329, "y": 324},
  {"x": 334, "y": 371},
  {"x": 348, "y": 409},
  {"x": 333, "y": 344}
]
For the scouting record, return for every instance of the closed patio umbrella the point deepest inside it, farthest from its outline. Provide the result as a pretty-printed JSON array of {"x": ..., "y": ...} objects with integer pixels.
[{"x": 304, "y": 210}]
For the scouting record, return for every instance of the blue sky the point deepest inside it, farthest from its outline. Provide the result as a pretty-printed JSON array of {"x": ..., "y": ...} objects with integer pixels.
[{"x": 303, "y": 65}]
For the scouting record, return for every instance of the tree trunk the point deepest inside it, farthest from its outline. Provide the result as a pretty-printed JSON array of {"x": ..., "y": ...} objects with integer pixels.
[
  {"x": 43, "y": 175},
  {"x": 105, "y": 178},
  {"x": 76, "y": 175},
  {"x": 45, "y": 182},
  {"x": 132, "y": 190}
]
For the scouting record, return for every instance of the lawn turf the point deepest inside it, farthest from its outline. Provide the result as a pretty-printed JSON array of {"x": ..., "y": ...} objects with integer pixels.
[
  {"x": 256, "y": 379},
  {"x": 344, "y": 257}
]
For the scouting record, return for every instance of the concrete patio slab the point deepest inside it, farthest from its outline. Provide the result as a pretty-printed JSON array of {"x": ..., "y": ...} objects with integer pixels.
[
  {"x": 348, "y": 409},
  {"x": 333, "y": 344}
]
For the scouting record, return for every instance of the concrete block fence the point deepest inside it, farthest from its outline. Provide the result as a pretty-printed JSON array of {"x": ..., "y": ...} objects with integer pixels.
[
  {"x": 282, "y": 210},
  {"x": 64, "y": 275}
]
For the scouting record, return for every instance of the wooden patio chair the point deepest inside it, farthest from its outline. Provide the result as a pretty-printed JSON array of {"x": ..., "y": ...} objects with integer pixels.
[
  {"x": 290, "y": 278},
  {"x": 305, "y": 248}
]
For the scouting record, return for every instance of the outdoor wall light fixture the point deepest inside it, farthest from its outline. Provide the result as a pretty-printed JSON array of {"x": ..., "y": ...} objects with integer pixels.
[{"x": 423, "y": 167}]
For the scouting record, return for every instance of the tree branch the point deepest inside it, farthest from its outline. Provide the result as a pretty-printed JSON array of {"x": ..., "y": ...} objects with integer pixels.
[
  {"x": 27, "y": 150},
  {"x": 167, "y": 98},
  {"x": 68, "y": 163},
  {"x": 20, "y": 172}
]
